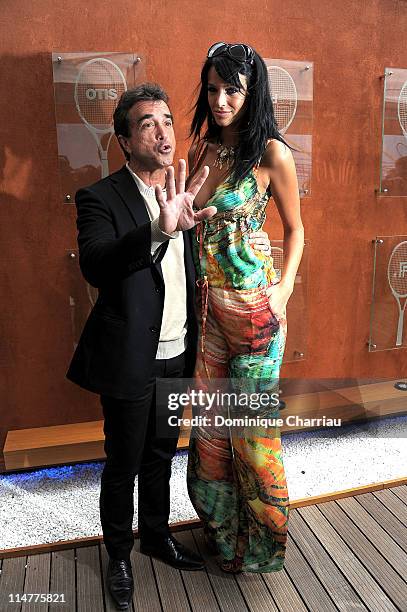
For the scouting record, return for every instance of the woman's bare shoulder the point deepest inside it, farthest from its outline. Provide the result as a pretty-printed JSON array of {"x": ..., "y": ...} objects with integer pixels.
[{"x": 276, "y": 153}]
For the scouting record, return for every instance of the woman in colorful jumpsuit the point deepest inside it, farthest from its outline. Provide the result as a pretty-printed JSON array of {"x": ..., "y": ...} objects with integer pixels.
[{"x": 236, "y": 481}]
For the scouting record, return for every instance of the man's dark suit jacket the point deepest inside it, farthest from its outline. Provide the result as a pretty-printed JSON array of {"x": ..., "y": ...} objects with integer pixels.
[{"x": 119, "y": 342}]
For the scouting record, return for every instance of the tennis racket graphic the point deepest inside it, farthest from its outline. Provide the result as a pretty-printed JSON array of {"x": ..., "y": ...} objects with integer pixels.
[
  {"x": 402, "y": 109},
  {"x": 278, "y": 259},
  {"x": 98, "y": 87},
  {"x": 397, "y": 277},
  {"x": 284, "y": 96}
]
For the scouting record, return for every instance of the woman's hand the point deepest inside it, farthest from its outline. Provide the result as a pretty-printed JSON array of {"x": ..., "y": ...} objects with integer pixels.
[
  {"x": 260, "y": 242},
  {"x": 176, "y": 210},
  {"x": 278, "y": 296}
]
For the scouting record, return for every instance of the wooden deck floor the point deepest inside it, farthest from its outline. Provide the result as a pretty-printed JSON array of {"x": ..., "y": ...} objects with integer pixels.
[{"x": 347, "y": 554}]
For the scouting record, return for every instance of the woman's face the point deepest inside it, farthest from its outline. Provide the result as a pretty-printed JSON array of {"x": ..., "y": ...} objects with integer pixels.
[{"x": 226, "y": 101}]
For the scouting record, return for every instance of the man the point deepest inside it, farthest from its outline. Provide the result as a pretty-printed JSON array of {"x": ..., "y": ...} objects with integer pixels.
[{"x": 134, "y": 246}]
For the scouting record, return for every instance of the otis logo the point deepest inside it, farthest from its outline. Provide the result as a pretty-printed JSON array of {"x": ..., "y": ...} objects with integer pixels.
[{"x": 101, "y": 94}]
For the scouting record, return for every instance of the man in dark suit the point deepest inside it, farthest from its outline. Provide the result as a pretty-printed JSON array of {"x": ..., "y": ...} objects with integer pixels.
[{"x": 142, "y": 326}]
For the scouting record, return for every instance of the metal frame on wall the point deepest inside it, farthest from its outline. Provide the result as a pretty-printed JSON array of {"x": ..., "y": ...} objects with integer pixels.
[
  {"x": 297, "y": 306},
  {"x": 389, "y": 294},
  {"x": 393, "y": 167},
  {"x": 87, "y": 88},
  {"x": 291, "y": 88}
]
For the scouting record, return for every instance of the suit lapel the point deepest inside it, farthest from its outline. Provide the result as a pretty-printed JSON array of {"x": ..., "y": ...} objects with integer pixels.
[{"x": 128, "y": 191}]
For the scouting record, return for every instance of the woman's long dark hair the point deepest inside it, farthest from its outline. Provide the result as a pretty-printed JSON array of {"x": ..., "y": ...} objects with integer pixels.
[{"x": 258, "y": 124}]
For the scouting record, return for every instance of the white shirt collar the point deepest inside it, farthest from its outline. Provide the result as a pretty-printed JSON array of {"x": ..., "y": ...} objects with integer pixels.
[{"x": 145, "y": 190}]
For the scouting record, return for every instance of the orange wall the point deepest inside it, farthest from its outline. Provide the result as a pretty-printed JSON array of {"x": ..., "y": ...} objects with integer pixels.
[{"x": 349, "y": 42}]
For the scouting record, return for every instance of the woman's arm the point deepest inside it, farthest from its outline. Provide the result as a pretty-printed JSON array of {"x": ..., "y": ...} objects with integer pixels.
[{"x": 279, "y": 163}]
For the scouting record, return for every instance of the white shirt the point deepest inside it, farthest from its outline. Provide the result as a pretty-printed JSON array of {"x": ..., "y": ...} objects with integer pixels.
[{"x": 174, "y": 322}]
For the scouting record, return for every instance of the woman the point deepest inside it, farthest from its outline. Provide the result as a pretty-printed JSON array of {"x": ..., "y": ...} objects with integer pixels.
[{"x": 236, "y": 481}]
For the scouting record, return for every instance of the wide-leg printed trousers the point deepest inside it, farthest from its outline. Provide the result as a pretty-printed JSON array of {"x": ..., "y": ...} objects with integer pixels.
[{"x": 236, "y": 477}]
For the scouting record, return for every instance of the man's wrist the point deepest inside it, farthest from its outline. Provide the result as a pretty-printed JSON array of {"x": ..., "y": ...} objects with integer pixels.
[
  {"x": 174, "y": 234},
  {"x": 158, "y": 237}
]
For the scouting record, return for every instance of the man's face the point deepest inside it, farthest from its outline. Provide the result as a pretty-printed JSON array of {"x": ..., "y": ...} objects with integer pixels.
[{"x": 151, "y": 143}]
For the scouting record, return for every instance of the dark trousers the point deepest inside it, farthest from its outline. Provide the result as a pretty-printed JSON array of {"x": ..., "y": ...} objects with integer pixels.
[{"x": 134, "y": 446}]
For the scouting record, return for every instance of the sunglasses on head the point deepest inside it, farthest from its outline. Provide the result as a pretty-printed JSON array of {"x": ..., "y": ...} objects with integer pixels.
[{"x": 238, "y": 52}]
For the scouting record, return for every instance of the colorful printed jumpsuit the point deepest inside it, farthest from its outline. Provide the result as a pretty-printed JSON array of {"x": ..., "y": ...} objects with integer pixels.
[{"x": 236, "y": 482}]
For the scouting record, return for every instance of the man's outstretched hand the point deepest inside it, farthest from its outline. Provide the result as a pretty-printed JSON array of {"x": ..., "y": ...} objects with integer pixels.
[{"x": 176, "y": 212}]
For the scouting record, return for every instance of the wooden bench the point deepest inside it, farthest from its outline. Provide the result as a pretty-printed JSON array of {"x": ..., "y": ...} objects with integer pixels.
[{"x": 72, "y": 443}]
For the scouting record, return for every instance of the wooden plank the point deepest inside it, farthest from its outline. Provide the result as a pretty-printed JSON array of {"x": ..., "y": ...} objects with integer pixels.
[
  {"x": 183, "y": 440},
  {"x": 49, "y": 547},
  {"x": 63, "y": 580},
  {"x": 401, "y": 492},
  {"x": 389, "y": 581},
  {"x": 52, "y": 445},
  {"x": 57, "y": 435},
  {"x": 62, "y": 444},
  {"x": 393, "y": 503},
  {"x": 37, "y": 581},
  {"x": 305, "y": 405},
  {"x": 60, "y": 455},
  {"x": 88, "y": 580},
  {"x": 254, "y": 590},
  {"x": 349, "y": 404},
  {"x": 74, "y": 442},
  {"x": 197, "y": 584},
  {"x": 87, "y": 541},
  {"x": 12, "y": 582},
  {"x": 109, "y": 603},
  {"x": 339, "y": 589},
  {"x": 374, "y": 395},
  {"x": 146, "y": 597},
  {"x": 355, "y": 572},
  {"x": 395, "y": 482},
  {"x": 376, "y": 534},
  {"x": 227, "y": 591},
  {"x": 284, "y": 592},
  {"x": 307, "y": 584},
  {"x": 170, "y": 587},
  {"x": 388, "y": 521},
  {"x": 60, "y": 435}
]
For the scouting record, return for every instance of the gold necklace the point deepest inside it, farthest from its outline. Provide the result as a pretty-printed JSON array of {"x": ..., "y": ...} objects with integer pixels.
[{"x": 224, "y": 155}]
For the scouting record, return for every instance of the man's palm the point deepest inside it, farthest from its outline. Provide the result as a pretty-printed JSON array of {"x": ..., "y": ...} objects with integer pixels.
[{"x": 176, "y": 212}]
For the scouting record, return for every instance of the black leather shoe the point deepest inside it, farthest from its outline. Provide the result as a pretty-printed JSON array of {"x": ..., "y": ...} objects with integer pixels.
[
  {"x": 172, "y": 552},
  {"x": 120, "y": 582}
]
